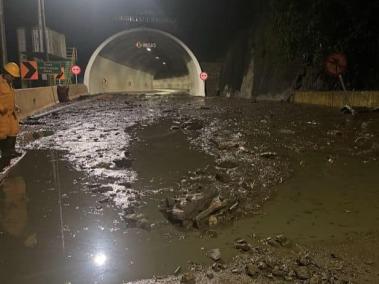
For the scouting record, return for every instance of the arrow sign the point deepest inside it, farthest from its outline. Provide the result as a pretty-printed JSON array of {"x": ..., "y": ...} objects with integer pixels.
[
  {"x": 61, "y": 75},
  {"x": 29, "y": 70}
]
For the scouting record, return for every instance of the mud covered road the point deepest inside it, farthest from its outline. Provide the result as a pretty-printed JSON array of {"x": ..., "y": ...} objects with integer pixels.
[{"x": 123, "y": 188}]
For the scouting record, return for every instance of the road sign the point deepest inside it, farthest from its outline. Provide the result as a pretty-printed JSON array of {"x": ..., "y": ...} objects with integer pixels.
[
  {"x": 49, "y": 68},
  {"x": 203, "y": 76},
  {"x": 76, "y": 70},
  {"x": 61, "y": 75},
  {"x": 336, "y": 64},
  {"x": 140, "y": 44},
  {"x": 29, "y": 70}
]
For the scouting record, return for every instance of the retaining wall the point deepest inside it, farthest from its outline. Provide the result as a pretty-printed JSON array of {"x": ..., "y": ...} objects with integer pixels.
[{"x": 338, "y": 99}]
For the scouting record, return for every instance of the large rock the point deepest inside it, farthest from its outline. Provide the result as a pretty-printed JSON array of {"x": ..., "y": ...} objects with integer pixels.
[
  {"x": 187, "y": 208},
  {"x": 188, "y": 278},
  {"x": 302, "y": 272},
  {"x": 214, "y": 254}
]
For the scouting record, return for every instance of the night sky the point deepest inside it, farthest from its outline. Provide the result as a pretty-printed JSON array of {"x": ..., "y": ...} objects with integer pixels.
[{"x": 205, "y": 26}]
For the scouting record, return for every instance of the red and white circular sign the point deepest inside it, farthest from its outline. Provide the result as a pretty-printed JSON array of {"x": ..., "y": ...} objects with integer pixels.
[
  {"x": 336, "y": 64},
  {"x": 76, "y": 70},
  {"x": 204, "y": 76}
]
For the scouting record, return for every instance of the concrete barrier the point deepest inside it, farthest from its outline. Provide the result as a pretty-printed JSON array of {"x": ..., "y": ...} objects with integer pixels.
[
  {"x": 338, "y": 98},
  {"x": 77, "y": 91},
  {"x": 33, "y": 100}
]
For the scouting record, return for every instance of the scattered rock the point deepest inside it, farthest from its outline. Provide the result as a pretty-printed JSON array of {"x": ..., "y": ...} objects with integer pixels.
[
  {"x": 227, "y": 165},
  {"x": 188, "y": 278},
  {"x": 316, "y": 279},
  {"x": 273, "y": 243},
  {"x": 214, "y": 254},
  {"x": 123, "y": 163},
  {"x": 364, "y": 126},
  {"x": 102, "y": 189},
  {"x": 334, "y": 133},
  {"x": 242, "y": 246},
  {"x": 223, "y": 177},
  {"x": 217, "y": 267},
  {"x": 213, "y": 221},
  {"x": 287, "y": 131},
  {"x": 104, "y": 200},
  {"x": 304, "y": 260},
  {"x": 227, "y": 145},
  {"x": 262, "y": 265},
  {"x": 278, "y": 272},
  {"x": 268, "y": 155},
  {"x": 302, "y": 273},
  {"x": 137, "y": 221},
  {"x": 252, "y": 270},
  {"x": 192, "y": 125},
  {"x": 211, "y": 234},
  {"x": 210, "y": 275},
  {"x": 282, "y": 240}
]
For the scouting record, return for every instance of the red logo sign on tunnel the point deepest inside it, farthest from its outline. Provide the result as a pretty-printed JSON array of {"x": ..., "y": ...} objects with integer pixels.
[
  {"x": 76, "y": 70},
  {"x": 336, "y": 64},
  {"x": 203, "y": 76}
]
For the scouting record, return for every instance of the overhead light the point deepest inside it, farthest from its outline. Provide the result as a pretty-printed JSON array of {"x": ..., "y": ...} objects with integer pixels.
[
  {"x": 164, "y": 63},
  {"x": 157, "y": 57},
  {"x": 100, "y": 259},
  {"x": 148, "y": 49}
]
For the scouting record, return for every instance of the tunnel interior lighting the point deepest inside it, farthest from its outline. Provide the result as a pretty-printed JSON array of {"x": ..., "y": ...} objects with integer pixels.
[
  {"x": 157, "y": 57},
  {"x": 148, "y": 49},
  {"x": 100, "y": 259},
  {"x": 164, "y": 63}
]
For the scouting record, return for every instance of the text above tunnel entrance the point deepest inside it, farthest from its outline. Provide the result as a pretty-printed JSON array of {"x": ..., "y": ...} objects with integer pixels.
[{"x": 143, "y": 60}]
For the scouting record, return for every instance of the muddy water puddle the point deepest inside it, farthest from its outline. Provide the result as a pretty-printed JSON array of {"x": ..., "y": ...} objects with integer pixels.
[
  {"x": 53, "y": 229},
  {"x": 322, "y": 201}
]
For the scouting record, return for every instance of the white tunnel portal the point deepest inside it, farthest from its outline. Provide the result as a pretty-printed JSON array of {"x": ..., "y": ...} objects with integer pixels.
[{"x": 143, "y": 60}]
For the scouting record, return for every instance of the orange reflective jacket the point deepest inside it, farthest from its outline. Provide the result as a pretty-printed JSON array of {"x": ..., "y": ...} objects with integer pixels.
[{"x": 9, "y": 125}]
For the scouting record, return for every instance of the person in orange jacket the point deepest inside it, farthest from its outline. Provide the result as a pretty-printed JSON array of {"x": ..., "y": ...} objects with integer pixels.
[{"x": 9, "y": 125}]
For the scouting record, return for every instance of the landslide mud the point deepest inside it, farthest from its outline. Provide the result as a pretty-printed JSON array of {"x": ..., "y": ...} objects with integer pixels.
[{"x": 197, "y": 174}]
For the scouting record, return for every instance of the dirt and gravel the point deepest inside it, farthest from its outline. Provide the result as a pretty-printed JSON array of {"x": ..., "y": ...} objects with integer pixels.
[{"x": 251, "y": 147}]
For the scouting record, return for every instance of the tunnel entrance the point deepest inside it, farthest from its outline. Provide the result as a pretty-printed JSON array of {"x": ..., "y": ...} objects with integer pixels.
[{"x": 143, "y": 60}]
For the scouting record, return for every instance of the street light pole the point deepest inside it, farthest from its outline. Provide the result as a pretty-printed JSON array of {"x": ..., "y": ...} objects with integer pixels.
[
  {"x": 4, "y": 55},
  {"x": 42, "y": 22}
]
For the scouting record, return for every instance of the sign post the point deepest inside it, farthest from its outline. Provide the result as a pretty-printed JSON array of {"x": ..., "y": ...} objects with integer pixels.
[
  {"x": 76, "y": 70},
  {"x": 336, "y": 65}
]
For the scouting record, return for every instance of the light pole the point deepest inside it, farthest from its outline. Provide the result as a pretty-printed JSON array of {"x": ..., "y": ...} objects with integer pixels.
[
  {"x": 42, "y": 27},
  {"x": 4, "y": 56}
]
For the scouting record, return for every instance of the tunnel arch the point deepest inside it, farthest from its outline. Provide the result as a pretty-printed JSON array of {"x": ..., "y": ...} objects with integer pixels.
[{"x": 111, "y": 64}]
